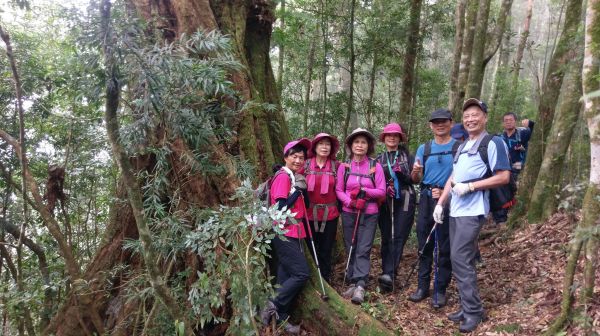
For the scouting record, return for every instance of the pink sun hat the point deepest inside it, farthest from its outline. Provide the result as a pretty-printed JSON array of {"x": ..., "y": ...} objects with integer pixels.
[
  {"x": 335, "y": 145},
  {"x": 392, "y": 128},
  {"x": 304, "y": 142}
]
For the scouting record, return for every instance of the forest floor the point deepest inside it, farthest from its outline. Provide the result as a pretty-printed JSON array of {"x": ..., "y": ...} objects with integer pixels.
[{"x": 520, "y": 283}]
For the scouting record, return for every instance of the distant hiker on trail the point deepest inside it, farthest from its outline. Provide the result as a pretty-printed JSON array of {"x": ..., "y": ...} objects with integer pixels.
[
  {"x": 436, "y": 156},
  {"x": 360, "y": 186},
  {"x": 399, "y": 206},
  {"x": 321, "y": 171},
  {"x": 292, "y": 270},
  {"x": 517, "y": 141},
  {"x": 469, "y": 205}
]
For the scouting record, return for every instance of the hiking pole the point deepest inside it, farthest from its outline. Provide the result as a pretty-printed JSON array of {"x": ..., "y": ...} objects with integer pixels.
[
  {"x": 420, "y": 254},
  {"x": 393, "y": 246},
  {"x": 324, "y": 296},
  {"x": 436, "y": 265},
  {"x": 351, "y": 245}
]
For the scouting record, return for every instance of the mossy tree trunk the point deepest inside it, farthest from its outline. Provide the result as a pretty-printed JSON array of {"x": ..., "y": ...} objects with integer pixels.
[
  {"x": 587, "y": 236},
  {"x": 565, "y": 52},
  {"x": 544, "y": 195},
  {"x": 261, "y": 134},
  {"x": 476, "y": 70}
]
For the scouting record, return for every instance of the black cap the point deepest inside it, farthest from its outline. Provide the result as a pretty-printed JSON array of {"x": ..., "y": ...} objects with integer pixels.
[
  {"x": 475, "y": 102},
  {"x": 441, "y": 113}
]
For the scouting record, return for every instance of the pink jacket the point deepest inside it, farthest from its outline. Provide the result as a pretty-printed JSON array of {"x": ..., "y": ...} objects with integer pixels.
[{"x": 373, "y": 193}]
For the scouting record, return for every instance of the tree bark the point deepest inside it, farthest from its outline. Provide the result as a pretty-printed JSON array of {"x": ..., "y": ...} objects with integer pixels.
[
  {"x": 476, "y": 70},
  {"x": 485, "y": 46},
  {"x": 459, "y": 23},
  {"x": 465, "y": 59},
  {"x": 369, "y": 112},
  {"x": 543, "y": 197},
  {"x": 591, "y": 85},
  {"x": 351, "y": 115},
  {"x": 565, "y": 51},
  {"x": 410, "y": 57},
  {"x": 516, "y": 68},
  {"x": 309, "y": 73},
  {"x": 588, "y": 238},
  {"x": 281, "y": 54}
]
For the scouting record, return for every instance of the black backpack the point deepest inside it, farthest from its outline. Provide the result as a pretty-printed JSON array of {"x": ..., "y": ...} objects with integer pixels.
[
  {"x": 427, "y": 152},
  {"x": 502, "y": 197}
]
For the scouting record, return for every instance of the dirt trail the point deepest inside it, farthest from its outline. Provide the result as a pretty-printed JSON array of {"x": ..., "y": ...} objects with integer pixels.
[{"x": 520, "y": 283}]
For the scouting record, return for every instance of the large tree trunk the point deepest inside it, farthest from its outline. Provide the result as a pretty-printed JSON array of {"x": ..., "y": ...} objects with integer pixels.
[
  {"x": 587, "y": 240},
  {"x": 543, "y": 197},
  {"x": 261, "y": 135},
  {"x": 459, "y": 23},
  {"x": 565, "y": 51},
  {"x": 410, "y": 57}
]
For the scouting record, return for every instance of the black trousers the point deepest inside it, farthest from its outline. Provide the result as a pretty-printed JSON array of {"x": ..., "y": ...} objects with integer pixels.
[
  {"x": 292, "y": 273},
  {"x": 424, "y": 225},
  {"x": 404, "y": 216},
  {"x": 324, "y": 244}
]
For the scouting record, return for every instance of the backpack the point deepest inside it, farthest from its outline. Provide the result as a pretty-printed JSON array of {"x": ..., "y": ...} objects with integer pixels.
[
  {"x": 427, "y": 152},
  {"x": 502, "y": 197},
  {"x": 371, "y": 175},
  {"x": 517, "y": 141},
  {"x": 263, "y": 191},
  {"x": 333, "y": 171}
]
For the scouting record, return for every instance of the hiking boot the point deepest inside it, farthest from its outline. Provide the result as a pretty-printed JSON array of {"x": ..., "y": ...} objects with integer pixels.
[
  {"x": 349, "y": 292},
  {"x": 359, "y": 295},
  {"x": 438, "y": 300},
  {"x": 419, "y": 295},
  {"x": 386, "y": 283},
  {"x": 469, "y": 324},
  {"x": 289, "y": 328},
  {"x": 268, "y": 313},
  {"x": 456, "y": 316}
]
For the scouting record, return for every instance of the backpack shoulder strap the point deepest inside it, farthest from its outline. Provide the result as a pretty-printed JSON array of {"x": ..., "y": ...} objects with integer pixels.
[
  {"x": 426, "y": 151},
  {"x": 483, "y": 152},
  {"x": 346, "y": 171},
  {"x": 455, "y": 147},
  {"x": 372, "y": 169}
]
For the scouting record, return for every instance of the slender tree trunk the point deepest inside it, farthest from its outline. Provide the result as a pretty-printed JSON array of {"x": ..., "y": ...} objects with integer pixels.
[
  {"x": 476, "y": 69},
  {"x": 351, "y": 116},
  {"x": 459, "y": 23},
  {"x": 369, "y": 113},
  {"x": 324, "y": 66},
  {"x": 309, "y": 74},
  {"x": 548, "y": 184},
  {"x": 565, "y": 52},
  {"x": 591, "y": 84},
  {"x": 410, "y": 56},
  {"x": 467, "y": 50},
  {"x": 520, "y": 51},
  {"x": 281, "y": 56}
]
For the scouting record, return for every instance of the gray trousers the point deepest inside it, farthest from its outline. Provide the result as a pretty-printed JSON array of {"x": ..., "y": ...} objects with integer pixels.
[
  {"x": 360, "y": 261},
  {"x": 464, "y": 232}
]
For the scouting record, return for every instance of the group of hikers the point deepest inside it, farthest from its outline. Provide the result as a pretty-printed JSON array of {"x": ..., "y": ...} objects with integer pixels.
[{"x": 455, "y": 171}]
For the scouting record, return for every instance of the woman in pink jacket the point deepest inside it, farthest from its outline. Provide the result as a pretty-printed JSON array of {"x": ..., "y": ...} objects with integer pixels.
[
  {"x": 288, "y": 189},
  {"x": 360, "y": 187}
]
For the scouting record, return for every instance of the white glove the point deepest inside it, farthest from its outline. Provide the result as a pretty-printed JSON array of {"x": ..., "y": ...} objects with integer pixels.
[
  {"x": 462, "y": 188},
  {"x": 438, "y": 214}
]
